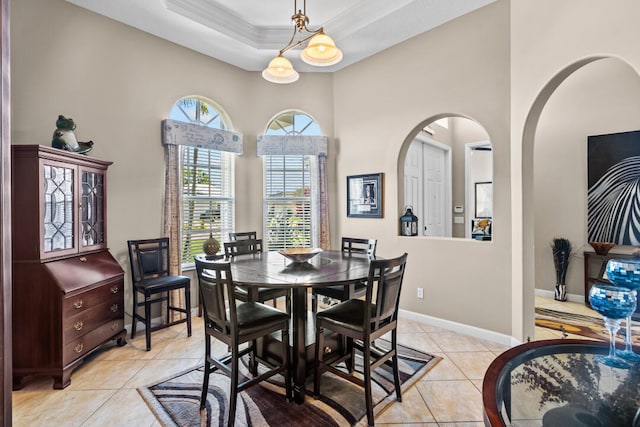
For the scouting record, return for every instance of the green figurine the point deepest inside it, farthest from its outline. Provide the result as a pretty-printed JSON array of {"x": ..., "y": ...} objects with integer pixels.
[{"x": 65, "y": 139}]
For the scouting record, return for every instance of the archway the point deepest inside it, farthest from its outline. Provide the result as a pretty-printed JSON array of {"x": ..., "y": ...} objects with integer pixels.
[
  {"x": 531, "y": 132},
  {"x": 441, "y": 162}
]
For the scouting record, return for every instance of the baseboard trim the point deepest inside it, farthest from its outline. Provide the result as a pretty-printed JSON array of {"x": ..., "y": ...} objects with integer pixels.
[
  {"x": 461, "y": 328},
  {"x": 551, "y": 294}
]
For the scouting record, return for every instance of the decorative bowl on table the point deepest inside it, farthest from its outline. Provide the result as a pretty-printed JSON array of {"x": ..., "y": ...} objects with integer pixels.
[
  {"x": 300, "y": 255},
  {"x": 602, "y": 248}
]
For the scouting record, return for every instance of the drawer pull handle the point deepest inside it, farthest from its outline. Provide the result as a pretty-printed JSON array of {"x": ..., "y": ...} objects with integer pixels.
[
  {"x": 83, "y": 259},
  {"x": 78, "y": 348},
  {"x": 114, "y": 289},
  {"x": 78, "y": 326},
  {"x": 77, "y": 303},
  {"x": 114, "y": 308},
  {"x": 327, "y": 350},
  {"x": 114, "y": 326}
]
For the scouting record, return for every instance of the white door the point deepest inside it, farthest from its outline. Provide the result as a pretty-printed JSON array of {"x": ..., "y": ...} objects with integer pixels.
[
  {"x": 413, "y": 194},
  {"x": 434, "y": 191}
]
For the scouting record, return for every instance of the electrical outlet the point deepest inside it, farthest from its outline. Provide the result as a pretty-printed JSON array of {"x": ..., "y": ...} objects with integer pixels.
[{"x": 420, "y": 293}]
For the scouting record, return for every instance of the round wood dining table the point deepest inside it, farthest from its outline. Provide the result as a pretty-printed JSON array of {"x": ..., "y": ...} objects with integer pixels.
[{"x": 272, "y": 269}]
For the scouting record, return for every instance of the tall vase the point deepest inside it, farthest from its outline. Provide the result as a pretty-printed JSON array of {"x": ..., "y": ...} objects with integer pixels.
[
  {"x": 561, "y": 292},
  {"x": 561, "y": 251}
]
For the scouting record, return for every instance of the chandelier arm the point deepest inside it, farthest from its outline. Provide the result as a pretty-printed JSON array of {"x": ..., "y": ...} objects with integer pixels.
[{"x": 292, "y": 45}]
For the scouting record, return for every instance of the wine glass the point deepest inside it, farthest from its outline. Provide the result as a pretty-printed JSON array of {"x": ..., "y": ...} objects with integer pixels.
[
  {"x": 613, "y": 303},
  {"x": 626, "y": 273}
]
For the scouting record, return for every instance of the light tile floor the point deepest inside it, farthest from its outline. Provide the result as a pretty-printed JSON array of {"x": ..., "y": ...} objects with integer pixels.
[{"x": 103, "y": 390}]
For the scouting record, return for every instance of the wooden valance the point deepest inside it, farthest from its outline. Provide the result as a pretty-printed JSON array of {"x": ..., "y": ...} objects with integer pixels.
[{"x": 175, "y": 132}]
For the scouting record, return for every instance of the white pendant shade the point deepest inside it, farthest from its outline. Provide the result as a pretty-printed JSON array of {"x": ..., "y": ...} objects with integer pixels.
[
  {"x": 280, "y": 71},
  {"x": 321, "y": 51}
]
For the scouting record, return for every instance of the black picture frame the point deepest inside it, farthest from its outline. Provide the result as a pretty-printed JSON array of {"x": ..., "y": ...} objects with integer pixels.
[
  {"x": 484, "y": 199},
  {"x": 365, "y": 196}
]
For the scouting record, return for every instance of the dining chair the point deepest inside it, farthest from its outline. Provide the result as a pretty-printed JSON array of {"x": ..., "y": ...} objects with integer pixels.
[
  {"x": 254, "y": 246},
  {"x": 243, "y": 235},
  {"x": 343, "y": 292},
  {"x": 150, "y": 277},
  {"x": 236, "y": 324},
  {"x": 362, "y": 322}
]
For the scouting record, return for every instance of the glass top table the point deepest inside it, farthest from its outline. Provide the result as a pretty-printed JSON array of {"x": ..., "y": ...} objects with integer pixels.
[{"x": 557, "y": 383}]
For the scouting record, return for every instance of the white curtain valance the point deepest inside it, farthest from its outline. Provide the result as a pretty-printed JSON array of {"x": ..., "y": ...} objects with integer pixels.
[
  {"x": 175, "y": 132},
  {"x": 273, "y": 145}
]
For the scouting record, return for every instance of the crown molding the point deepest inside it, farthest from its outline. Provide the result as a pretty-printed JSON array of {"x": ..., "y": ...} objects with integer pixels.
[{"x": 218, "y": 17}]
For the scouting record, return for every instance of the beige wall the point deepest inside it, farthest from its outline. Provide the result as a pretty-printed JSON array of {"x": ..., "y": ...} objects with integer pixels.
[
  {"x": 602, "y": 97},
  {"x": 118, "y": 83},
  {"x": 549, "y": 41},
  {"x": 497, "y": 66},
  {"x": 379, "y": 102}
]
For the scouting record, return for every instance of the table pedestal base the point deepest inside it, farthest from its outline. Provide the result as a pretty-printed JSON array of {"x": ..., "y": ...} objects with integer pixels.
[{"x": 268, "y": 349}]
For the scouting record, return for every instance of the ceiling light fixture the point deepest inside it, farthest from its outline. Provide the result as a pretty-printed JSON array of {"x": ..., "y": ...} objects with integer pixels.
[{"x": 321, "y": 51}]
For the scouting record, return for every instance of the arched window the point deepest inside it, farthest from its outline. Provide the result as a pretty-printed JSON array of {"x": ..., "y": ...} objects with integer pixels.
[
  {"x": 207, "y": 189},
  {"x": 291, "y": 213}
]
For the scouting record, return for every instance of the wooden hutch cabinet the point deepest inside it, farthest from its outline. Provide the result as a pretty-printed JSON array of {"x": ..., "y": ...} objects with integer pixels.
[{"x": 68, "y": 290}]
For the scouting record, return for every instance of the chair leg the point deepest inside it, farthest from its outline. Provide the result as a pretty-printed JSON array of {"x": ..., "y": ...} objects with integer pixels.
[
  {"x": 187, "y": 301},
  {"x": 366, "y": 355},
  {"x": 314, "y": 302},
  {"x": 233, "y": 394},
  {"x": 147, "y": 320},
  {"x": 253, "y": 360},
  {"x": 286, "y": 364},
  {"x": 167, "y": 315},
  {"x": 351, "y": 361},
  {"x": 316, "y": 368},
  {"x": 207, "y": 369},
  {"x": 396, "y": 369},
  {"x": 134, "y": 320}
]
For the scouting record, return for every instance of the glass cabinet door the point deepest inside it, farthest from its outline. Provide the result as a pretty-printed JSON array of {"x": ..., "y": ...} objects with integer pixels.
[
  {"x": 58, "y": 208},
  {"x": 92, "y": 227}
]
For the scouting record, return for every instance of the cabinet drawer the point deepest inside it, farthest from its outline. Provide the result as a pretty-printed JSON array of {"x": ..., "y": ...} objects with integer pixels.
[
  {"x": 77, "y": 303},
  {"x": 89, "y": 319},
  {"x": 80, "y": 346}
]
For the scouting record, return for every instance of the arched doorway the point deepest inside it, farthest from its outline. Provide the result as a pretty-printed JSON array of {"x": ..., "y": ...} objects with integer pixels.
[{"x": 541, "y": 129}]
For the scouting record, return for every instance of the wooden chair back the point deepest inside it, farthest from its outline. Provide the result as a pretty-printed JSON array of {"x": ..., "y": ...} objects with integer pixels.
[
  {"x": 360, "y": 246},
  {"x": 384, "y": 285},
  {"x": 149, "y": 258},
  {"x": 243, "y": 235},
  {"x": 243, "y": 247}
]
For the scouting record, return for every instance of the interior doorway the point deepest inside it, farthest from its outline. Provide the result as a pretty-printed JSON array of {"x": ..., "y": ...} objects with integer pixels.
[{"x": 427, "y": 180}]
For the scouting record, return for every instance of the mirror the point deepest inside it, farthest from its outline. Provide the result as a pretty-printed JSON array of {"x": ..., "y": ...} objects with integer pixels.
[{"x": 447, "y": 176}]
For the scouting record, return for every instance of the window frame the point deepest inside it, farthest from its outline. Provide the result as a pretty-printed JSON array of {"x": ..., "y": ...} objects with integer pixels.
[
  {"x": 285, "y": 124},
  {"x": 205, "y": 112}
]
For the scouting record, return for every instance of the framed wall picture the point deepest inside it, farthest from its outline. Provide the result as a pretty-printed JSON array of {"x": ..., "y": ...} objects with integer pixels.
[
  {"x": 613, "y": 169},
  {"x": 365, "y": 196},
  {"x": 484, "y": 199}
]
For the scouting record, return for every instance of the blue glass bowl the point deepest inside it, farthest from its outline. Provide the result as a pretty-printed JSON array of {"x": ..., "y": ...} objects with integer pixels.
[
  {"x": 624, "y": 272},
  {"x": 612, "y": 301}
]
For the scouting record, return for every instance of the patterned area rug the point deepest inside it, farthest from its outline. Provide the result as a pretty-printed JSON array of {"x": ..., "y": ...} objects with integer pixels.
[
  {"x": 176, "y": 401},
  {"x": 579, "y": 324}
]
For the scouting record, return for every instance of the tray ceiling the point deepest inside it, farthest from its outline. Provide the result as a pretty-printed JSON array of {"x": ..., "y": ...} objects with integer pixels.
[{"x": 249, "y": 33}]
